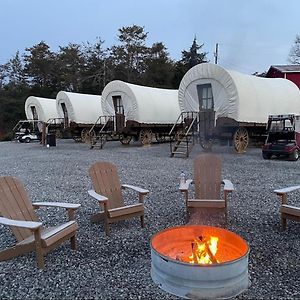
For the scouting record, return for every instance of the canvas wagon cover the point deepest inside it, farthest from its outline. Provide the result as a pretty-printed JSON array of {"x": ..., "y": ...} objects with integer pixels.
[
  {"x": 245, "y": 98},
  {"x": 142, "y": 104},
  {"x": 81, "y": 108},
  {"x": 45, "y": 108}
]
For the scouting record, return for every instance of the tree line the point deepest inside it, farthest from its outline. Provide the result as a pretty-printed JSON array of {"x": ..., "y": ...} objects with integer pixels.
[{"x": 87, "y": 68}]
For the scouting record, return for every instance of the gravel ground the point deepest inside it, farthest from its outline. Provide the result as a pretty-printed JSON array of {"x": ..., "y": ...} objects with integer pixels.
[{"x": 118, "y": 267}]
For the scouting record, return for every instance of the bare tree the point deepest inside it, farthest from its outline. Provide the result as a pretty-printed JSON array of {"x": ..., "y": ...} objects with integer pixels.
[{"x": 294, "y": 56}]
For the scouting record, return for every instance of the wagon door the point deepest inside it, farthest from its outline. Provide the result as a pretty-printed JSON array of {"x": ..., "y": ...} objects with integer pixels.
[
  {"x": 119, "y": 112},
  {"x": 65, "y": 112},
  {"x": 206, "y": 110},
  {"x": 34, "y": 113}
]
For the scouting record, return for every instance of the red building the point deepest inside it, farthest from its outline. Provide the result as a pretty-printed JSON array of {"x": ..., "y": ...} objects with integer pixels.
[{"x": 291, "y": 72}]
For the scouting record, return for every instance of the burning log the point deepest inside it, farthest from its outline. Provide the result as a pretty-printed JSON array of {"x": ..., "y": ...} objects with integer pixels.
[{"x": 201, "y": 252}]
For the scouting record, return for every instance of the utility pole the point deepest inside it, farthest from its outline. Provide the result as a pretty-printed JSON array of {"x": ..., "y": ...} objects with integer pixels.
[{"x": 216, "y": 53}]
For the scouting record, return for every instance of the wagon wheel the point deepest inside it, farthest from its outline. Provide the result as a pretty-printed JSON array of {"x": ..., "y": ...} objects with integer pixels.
[
  {"x": 90, "y": 137},
  {"x": 179, "y": 135},
  {"x": 241, "y": 140},
  {"x": 86, "y": 135},
  {"x": 146, "y": 136},
  {"x": 58, "y": 134},
  {"x": 77, "y": 139},
  {"x": 83, "y": 134},
  {"x": 206, "y": 144},
  {"x": 160, "y": 137},
  {"x": 100, "y": 138},
  {"x": 125, "y": 139}
]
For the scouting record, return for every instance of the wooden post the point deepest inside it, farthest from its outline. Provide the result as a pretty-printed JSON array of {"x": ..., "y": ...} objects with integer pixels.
[
  {"x": 71, "y": 214},
  {"x": 44, "y": 134},
  {"x": 38, "y": 248}
]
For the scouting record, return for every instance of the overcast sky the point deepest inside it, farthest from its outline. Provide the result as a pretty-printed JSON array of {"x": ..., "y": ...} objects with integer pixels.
[{"x": 252, "y": 34}]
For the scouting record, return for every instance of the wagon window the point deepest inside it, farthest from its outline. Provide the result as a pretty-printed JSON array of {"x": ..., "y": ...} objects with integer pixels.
[
  {"x": 118, "y": 105},
  {"x": 205, "y": 96}
]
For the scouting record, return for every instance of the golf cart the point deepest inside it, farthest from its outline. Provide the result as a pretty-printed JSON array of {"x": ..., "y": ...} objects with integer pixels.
[
  {"x": 26, "y": 131},
  {"x": 283, "y": 137},
  {"x": 27, "y": 138}
]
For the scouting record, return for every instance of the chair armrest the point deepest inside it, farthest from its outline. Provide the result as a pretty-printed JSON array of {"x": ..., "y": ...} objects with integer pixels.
[
  {"x": 283, "y": 192},
  {"x": 57, "y": 204},
  {"x": 17, "y": 223},
  {"x": 287, "y": 190},
  {"x": 185, "y": 186},
  {"x": 228, "y": 186},
  {"x": 97, "y": 196},
  {"x": 135, "y": 188}
]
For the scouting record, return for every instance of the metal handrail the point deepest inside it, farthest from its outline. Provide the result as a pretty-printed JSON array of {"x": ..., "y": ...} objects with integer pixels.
[
  {"x": 181, "y": 116},
  {"x": 173, "y": 127},
  {"x": 53, "y": 121},
  {"x": 23, "y": 121},
  {"x": 108, "y": 119},
  {"x": 99, "y": 121}
]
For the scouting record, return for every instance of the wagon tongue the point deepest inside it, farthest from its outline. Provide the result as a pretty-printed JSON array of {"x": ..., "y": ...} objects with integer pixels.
[{"x": 204, "y": 250}]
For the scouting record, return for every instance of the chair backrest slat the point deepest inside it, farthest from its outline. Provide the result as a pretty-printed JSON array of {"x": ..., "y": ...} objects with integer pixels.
[
  {"x": 15, "y": 204},
  {"x": 106, "y": 182},
  {"x": 207, "y": 176}
]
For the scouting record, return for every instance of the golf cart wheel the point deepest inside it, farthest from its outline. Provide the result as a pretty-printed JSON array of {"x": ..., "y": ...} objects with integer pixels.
[
  {"x": 27, "y": 140},
  {"x": 266, "y": 156},
  {"x": 295, "y": 155}
]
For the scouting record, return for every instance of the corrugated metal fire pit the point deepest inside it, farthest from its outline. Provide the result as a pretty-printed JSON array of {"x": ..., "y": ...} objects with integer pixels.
[{"x": 176, "y": 265}]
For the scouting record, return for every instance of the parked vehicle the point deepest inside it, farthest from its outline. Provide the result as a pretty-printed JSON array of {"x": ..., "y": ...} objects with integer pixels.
[
  {"x": 24, "y": 128},
  {"x": 27, "y": 138},
  {"x": 283, "y": 137}
]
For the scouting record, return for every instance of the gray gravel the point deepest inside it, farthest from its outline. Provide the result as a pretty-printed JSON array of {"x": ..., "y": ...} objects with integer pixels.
[{"x": 118, "y": 267}]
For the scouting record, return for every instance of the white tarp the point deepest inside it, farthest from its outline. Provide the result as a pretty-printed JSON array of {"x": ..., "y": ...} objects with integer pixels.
[
  {"x": 44, "y": 107},
  {"x": 81, "y": 108},
  {"x": 245, "y": 98},
  {"x": 142, "y": 104}
]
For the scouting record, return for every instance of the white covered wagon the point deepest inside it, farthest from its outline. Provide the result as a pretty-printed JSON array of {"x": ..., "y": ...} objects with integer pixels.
[
  {"x": 79, "y": 111},
  {"x": 38, "y": 111},
  {"x": 41, "y": 109},
  {"x": 140, "y": 112},
  {"x": 233, "y": 105}
]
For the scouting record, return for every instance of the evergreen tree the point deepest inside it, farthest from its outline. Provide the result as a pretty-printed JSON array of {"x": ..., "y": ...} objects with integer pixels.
[
  {"x": 192, "y": 58},
  {"x": 129, "y": 57},
  {"x": 71, "y": 64},
  {"x": 95, "y": 72},
  {"x": 159, "y": 67},
  {"x": 15, "y": 71},
  {"x": 40, "y": 68},
  {"x": 189, "y": 59}
]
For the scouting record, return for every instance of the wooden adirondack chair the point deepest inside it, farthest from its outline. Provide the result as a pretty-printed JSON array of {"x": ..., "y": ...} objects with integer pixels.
[
  {"x": 108, "y": 191},
  {"x": 207, "y": 181},
  {"x": 288, "y": 211},
  {"x": 17, "y": 211}
]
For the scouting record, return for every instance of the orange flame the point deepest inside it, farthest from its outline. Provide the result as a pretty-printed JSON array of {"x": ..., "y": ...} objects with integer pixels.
[{"x": 204, "y": 250}]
